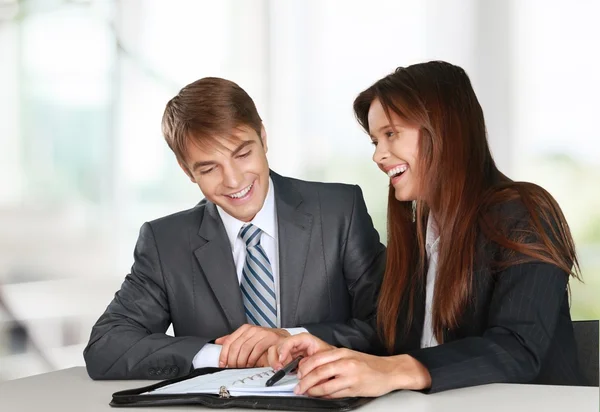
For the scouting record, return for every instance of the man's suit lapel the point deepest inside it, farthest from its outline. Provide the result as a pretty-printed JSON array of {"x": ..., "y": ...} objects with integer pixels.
[
  {"x": 294, "y": 226},
  {"x": 216, "y": 260}
]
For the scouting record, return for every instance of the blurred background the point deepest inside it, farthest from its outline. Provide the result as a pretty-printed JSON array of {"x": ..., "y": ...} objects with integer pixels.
[{"x": 83, "y": 84}]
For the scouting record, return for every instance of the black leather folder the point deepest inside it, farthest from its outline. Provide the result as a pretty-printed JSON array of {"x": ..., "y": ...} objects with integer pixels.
[{"x": 139, "y": 397}]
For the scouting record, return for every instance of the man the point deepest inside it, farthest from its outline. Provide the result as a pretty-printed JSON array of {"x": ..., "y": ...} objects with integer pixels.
[{"x": 261, "y": 257}]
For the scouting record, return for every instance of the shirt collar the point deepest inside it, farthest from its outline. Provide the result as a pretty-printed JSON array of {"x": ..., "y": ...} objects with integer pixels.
[
  {"x": 432, "y": 235},
  {"x": 265, "y": 219}
]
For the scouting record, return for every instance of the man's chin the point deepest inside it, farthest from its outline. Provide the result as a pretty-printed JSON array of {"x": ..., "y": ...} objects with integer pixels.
[{"x": 242, "y": 215}]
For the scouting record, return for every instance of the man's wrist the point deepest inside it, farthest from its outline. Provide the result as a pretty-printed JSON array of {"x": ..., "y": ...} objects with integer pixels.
[{"x": 282, "y": 333}]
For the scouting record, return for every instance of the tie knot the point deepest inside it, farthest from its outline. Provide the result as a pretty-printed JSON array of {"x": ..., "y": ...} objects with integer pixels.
[{"x": 250, "y": 234}]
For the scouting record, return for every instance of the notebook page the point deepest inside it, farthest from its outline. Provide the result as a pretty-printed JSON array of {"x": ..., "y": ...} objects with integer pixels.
[{"x": 237, "y": 381}]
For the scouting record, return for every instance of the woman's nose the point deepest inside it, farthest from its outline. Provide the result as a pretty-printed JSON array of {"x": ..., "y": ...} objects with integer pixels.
[{"x": 381, "y": 152}]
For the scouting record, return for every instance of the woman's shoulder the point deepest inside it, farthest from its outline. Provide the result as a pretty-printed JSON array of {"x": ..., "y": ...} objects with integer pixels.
[
  {"x": 523, "y": 222},
  {"x": 511, "y": 204}
]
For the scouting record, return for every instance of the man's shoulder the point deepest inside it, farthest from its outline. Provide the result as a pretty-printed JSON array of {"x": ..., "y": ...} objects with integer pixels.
[
  {"x": 328, "y": 189},
  {"x": 181, "y": 219}
]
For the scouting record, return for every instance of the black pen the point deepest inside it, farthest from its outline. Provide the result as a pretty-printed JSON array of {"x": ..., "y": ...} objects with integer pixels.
[{"x": 283, "y": 371}]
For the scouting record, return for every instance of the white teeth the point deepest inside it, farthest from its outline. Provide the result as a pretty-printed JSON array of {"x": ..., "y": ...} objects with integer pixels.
[
  {"x": 241, "y": 193},
  {"x": 396, "y": 170}
]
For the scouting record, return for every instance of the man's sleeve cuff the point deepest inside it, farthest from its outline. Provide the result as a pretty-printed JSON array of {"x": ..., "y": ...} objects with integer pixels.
[
  {"x": 295, "y": 331},
  {"x": 208, "y": 356}
]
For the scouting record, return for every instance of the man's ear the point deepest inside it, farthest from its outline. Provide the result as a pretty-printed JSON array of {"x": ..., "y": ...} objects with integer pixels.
[
  {"x": 263, "y": 138},
  {"x": 186, "y": 170}
]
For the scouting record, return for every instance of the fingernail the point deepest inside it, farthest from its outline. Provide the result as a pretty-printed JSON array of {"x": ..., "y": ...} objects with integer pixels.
[
  {"x": 297, "y": 390},
  {"x": 221, "y": 364},
  {"x": 299, "y": 375},
  {"x": 281, "y": 358}
]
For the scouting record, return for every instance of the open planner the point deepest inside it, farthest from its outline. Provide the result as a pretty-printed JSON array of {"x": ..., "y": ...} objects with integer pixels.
[
  {"x": 233, "y": 382},
  {"x": 230, "y": 388}
]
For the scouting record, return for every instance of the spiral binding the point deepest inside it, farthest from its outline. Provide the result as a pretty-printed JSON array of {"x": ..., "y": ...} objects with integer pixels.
[{"x": 255, "y": 376}]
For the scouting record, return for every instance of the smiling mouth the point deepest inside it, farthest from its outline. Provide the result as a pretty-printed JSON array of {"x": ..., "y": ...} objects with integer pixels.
[
  {"x": 397, "y": 171},
  {"x": 241, "y": 193}
]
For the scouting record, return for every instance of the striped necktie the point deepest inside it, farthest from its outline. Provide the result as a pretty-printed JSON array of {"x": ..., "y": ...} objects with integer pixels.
[{"x": 258, "y": 284}]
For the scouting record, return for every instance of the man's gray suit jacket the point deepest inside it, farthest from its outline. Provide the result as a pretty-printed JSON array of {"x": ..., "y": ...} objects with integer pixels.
[{"x": 331, "y": 265}]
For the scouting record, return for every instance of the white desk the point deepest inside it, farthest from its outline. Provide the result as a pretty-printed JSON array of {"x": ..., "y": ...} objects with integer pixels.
[{"x": 72, "y": 390}]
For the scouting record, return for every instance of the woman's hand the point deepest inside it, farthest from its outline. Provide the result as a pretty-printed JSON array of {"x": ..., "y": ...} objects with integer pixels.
[
  {"x": 338, "y": 373},
  {"x": 303, "y": 344}
]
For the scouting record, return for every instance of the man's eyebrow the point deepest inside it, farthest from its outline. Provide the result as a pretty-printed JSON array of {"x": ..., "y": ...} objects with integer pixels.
[
  {"x": 242, "y": 147},
  {"x": 198, "y": 165},
  {"x": 238, "y": 149}
]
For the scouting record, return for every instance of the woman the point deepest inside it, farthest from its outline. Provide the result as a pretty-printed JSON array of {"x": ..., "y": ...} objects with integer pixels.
[{"x": 476, "y": 284}]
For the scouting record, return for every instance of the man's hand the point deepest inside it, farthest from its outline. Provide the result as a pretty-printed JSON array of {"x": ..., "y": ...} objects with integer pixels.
[{"x": 245, "y": 347}]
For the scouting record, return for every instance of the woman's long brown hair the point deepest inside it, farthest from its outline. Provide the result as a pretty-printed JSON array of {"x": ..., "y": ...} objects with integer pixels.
[{"x": 460, "y": 184}]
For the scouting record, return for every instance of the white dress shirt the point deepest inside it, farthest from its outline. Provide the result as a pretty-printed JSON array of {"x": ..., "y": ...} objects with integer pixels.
[
  {"x": 432, "y": 241},
  {"x": 266, "y": 221}
]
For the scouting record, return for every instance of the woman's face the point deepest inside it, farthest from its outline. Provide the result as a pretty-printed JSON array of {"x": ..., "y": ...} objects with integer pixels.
[{"x": 396, "y": 150}]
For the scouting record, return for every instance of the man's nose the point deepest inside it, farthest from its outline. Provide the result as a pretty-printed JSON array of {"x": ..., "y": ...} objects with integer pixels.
[{"x": 232, "y": 177}]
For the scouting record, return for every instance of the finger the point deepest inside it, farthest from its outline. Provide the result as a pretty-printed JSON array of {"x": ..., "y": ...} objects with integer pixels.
[
  {"x": 344, "y": 393},
  {"x": 262, "y": 362},
  {"x": 332, "y": 387},
  {"x": 220, "y": 340},
  {"x": 237, "y": 346},
  {"x": 228, "y": 341},
  {"x": 303, "y": 343},
  {"x": 247, "y": 348},
  {"x": 258, "y": 351},
  {"x": 318, "y": 383},
  {"x": 320, "y": 376},
  {"x": 274, "y": 361},
  {"x": 262, "y": 347},
  {"x": 320, "y": 359},
  {"x": 285, "y": 348},
  {"x": 273, "y": 358}
]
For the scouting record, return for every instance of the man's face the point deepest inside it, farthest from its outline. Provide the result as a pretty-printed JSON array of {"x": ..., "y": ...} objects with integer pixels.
[{"x": 235, "y": 176}]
